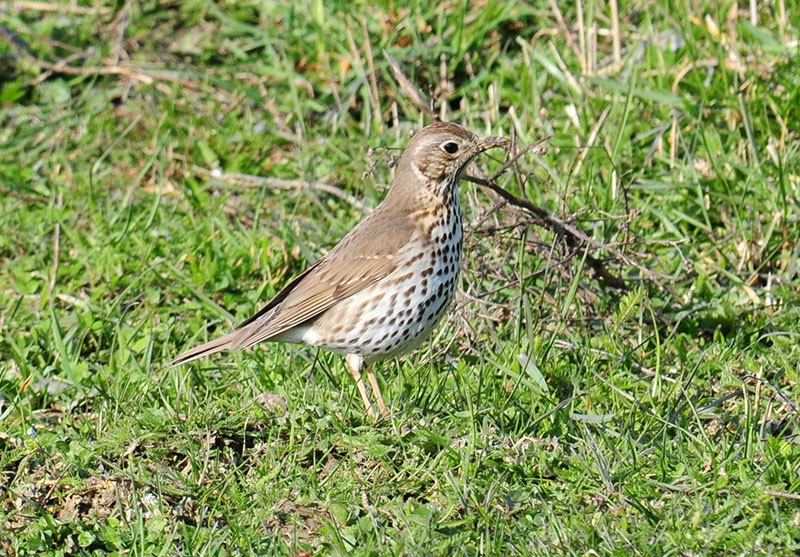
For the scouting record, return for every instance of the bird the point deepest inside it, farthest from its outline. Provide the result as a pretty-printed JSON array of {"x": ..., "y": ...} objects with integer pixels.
[{"x": 383, "y": 287}]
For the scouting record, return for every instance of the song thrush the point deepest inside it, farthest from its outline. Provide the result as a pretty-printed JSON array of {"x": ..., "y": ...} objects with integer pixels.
[{"x": 384, "y": 286}]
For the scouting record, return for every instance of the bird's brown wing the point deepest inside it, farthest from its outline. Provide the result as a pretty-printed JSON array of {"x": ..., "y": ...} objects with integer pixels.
[{"x": 366, "y": 255}]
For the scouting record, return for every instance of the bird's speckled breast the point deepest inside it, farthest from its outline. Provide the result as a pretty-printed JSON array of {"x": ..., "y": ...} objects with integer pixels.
[{"x": 397, "y": 313}]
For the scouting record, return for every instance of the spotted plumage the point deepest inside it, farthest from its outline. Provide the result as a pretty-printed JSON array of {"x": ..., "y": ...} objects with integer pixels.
[{"x": 380, "y": 291}]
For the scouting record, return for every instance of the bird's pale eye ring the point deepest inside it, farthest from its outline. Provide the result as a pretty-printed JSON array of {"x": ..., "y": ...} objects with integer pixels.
[{"x": 450, "y": 147}]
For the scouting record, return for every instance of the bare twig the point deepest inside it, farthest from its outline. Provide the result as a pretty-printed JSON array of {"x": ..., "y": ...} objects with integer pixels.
[
  {"x": 782, "y": 494},
  {"x": 572, "y": 235},
  {"x": 373, "y": 80},
  {"x": 581, "y": 37},
  {"x": 497, "y": 206},
  {"x": 590, "y": 141},
  {"x": 358, "y": 65},
  {"x": 126, "y": 70},
  {"x": 124, "y": 20},
  {"x": 250, "y": 181},
  {"x": 22, "y": 196},
  {"x": 515, "y": 153},
  {"x": 635, "y": 365},
  {"x": 537, "y": 145},
  {"x": 615, "y": 38},
  {"x": 56, "y": 248},
  {"x": 409, "y": 88},
  {"x": 782, "y": 21},
  {"x": 565, "y": 29},
  {"x": 20, "y": 5},
  {"x": 571, "y": 81}
]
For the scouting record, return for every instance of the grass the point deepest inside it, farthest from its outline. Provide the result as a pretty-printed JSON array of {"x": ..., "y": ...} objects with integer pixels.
[{"x": 549, "y": 414}]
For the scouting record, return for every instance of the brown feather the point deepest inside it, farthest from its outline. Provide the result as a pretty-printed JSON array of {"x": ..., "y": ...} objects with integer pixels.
[
  {"x": 211, "y": 347},
  {"x": 360, "y": 259}
]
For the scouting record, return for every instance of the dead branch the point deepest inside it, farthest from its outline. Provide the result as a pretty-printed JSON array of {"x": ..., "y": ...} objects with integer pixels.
[
  {"x": 417, "y": 97},
  {"x": 251, "y": 181},
  {"x": 62, "y": 67},
  {"x": 19, "y": 5},
  {"x": 572, "y": 235}
]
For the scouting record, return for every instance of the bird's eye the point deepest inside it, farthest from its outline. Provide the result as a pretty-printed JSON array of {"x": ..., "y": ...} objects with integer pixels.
[{"x": 450, "y": 147}]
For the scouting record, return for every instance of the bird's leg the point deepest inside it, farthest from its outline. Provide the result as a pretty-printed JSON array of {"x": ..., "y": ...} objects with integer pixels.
[
  {"x": 354, "y": 364},
  {"x": 377, "y": 392}
]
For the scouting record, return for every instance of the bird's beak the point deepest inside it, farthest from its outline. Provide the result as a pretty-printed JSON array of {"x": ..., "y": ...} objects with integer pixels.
[{"x": 492, "y": 142}]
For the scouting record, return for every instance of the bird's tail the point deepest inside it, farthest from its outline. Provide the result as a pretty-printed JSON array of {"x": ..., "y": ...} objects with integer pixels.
[{"x": 226, "y": 342}]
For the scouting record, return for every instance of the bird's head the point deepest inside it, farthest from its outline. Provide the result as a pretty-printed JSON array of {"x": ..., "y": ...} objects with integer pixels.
[{"x": 439, "y": 153}]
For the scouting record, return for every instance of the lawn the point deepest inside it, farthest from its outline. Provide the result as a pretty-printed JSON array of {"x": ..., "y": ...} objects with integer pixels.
[{"x": 617, "y": 375}]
